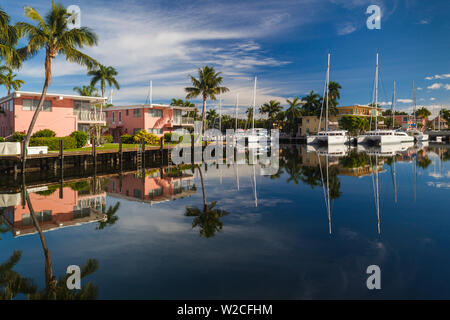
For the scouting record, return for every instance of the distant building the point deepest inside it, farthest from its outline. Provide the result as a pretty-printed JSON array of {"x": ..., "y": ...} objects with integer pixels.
[
  {"x": 359, "y": 110},
  {"x": 61, "y": 113},
  {"x": 408, "y": 122},
  {"x": 156, "y": 118},
  {"x": 438, "y": 123}
]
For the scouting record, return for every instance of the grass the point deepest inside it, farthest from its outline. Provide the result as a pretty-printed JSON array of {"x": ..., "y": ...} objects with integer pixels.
[{"x": 113, "y": 146}]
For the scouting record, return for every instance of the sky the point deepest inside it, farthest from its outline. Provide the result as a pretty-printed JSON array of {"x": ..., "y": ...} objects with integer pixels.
[{"x": 284, "y": 43}]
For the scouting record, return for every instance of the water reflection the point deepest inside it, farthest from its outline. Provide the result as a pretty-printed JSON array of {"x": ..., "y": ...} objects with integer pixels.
[{"x": 145, "y": 227}]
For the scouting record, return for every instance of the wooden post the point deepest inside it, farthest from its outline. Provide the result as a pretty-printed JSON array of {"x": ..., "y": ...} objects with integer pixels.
[
  {"x": 192, "y": 148},
  {"x": 143, "y": 153},
  {"x": 61, "y": 153},
  {"x": 161, "y": 148},
  {"x": 120, "y": 154},
  {"x": 23, "y": 156},
  {"x": 94, "y": 152}
]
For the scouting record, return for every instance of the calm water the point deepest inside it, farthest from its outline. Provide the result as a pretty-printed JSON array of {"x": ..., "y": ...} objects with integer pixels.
[{"x": 258, "y": 237}]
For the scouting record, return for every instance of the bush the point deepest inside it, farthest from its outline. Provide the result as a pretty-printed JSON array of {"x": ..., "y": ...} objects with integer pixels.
[
  {"x": 127, "y": 138},
  {"x": 44, "y": 133},
  {"x": 168, "y": 137},
  {"x": 2, "y": 139},
  {"x": 149, "y": 138},
  {"x": 81, "y": 138},
  {"x": 18, "y": 136},
  {"x": 53, "y": 142},
  {"x": 106, "y": 139}
]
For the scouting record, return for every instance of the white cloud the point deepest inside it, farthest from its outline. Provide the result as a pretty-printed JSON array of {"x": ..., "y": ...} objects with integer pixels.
[
  {"x": 432, "y": 99},
  {"x": 419, "y": 88},
  {"x": 447, "y": 87},
  {"x": 438, "y": 76},
  {"x": 404, "y": 100},
  {"x": 435, "y": 86},
  {"x": 346, "y": 28}
]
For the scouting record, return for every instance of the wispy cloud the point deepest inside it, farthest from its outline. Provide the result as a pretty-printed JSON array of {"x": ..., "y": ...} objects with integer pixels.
[
  {"x": 438, "y": 76},
  {"x": 435, "y": 86}
]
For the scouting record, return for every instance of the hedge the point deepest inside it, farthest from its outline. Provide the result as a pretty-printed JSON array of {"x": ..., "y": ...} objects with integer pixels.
[
  {"x": 107, "y": 138},
  {"x": 81, "y": 138},
  {"x": 127, "y": 139},
  {"x": 53, "y": 143},
  {"x": 44, "y": 133}
]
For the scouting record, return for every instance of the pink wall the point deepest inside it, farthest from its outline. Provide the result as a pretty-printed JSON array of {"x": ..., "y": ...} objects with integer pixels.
[
  {"x": 144, "y": 122},
  {"x": 61, "y": 119}
]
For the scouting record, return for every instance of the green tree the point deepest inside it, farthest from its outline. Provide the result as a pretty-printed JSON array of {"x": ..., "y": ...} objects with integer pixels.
[
  {"x": 292, "y": 114},
  {"x": 11, "y": 282},
  {"x": 208, "y": 218},
  {"x": 86, "y": 91},
  {"x": 334, "y": 95},
  {"x": 53, "y": 35},
  {"x": 186, "y": 104},
  {"x": 10, "y": 82},
  {"x": 354, "y": 124},
  {"x": 312, "y": 104},
  {"x": 104, "y": 75},
  {"x": 9, "y": 36},
  {"x": 271, "y": 108},
  {"x": 110, "y": 214},
  {"x": 423, "y": 113},
  {"x": 208, "y": 85}
]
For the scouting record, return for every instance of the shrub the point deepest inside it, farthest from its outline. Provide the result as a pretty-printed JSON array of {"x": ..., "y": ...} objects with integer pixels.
[
  {"x": 127, "y": 138},
  {"x": 81, "y": 138},
  {"x": 18, "y": 136},
  {"x": 53, "y": 142},
  {"x": 168, "y": 137},
  {"x": 106, "y": 139},
  {"x": 44, "y": 133},
  {"x": 2, "y": 139},
  {"x": 79, "y": 186},
  {"x": 149, "y": 138}
]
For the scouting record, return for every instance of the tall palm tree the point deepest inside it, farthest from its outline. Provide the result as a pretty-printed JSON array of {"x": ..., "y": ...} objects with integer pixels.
[
  {"x": 53, "y": 35},
  {"x": 86, "y": 91},
  {"x": 207, "y": 219},
  {"x": 208, "y": 85},
  {"x": 293, "y": 113},
  {"x": 249, "y": 113},
  {"x": 9, "y": 36},
  {"x": 11, "y": 282},
  {"x": 271, "y": 108},
  {"x": 110, "y": 214},
  {"x": 334, "y": 95},
  {"x": 211, "y": 115},
  {"x": 104, "y": 75},
  {"x": 10, "y": 82},
  {"x": 312, "y": 104}
]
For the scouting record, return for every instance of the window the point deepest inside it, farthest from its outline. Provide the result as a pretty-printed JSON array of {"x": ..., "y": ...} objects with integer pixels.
[
  {"x": 126, "y": 112},
  {"x": 120, "y": 116},
  {"x": 80, "y": 105},
  {"x": 137, "y": 113},
  {"x": 155, "y": 131},
  {"x": 137, "y": 193},
  {"x": 157, "y": 113},
  {"x": 106, "y": 113},
  {"x": 155, "y": 192},
  {"x": 113, "y": 117},
  {"x": 31, "y": 105},
  {"x": 177, "y": 116}
]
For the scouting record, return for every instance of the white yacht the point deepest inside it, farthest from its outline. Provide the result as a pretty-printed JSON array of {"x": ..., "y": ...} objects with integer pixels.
[
  {"x": 327, "y": 136},
  {"x": 385, "y": 137},
  {"x": 417, "y": 135}
]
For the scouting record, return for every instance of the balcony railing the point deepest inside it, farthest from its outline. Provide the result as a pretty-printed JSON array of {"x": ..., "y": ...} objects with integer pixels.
[
  {"x": 90, "y": 116},
  {"x": 186, "y": 120}
]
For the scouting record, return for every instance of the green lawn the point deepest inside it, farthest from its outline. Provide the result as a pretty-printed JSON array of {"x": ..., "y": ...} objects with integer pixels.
[{"x": 112, "y": 146}]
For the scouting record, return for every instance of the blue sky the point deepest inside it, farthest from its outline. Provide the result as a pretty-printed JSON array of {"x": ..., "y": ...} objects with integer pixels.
[{"x": 284, "y": 43}]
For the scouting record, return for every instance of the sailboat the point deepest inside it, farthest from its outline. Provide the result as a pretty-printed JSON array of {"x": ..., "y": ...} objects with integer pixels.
[
  {"x": 256, "y": 136},
  {"x": 378, "y": 136},
  {"x": 328, "y": 136},
  {"x": 418, "y": 135}
]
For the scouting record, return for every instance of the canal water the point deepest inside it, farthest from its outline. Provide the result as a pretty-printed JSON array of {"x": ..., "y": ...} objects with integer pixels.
[{"x": 309, "y": 230}]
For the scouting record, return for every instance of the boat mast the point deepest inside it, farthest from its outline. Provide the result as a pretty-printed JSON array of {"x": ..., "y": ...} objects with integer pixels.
[
  {"x": 327, "y": 90},
  {"x": 393, "y": 107},
  {"x": 414, "y": 105},
  {"x": 254, "y": 106},
  {"x": 376, "y": 96},
  {"x": 236, "y": 111},
  {"x": 151, "y": 93},
  {"x": 220, "y": 113}
]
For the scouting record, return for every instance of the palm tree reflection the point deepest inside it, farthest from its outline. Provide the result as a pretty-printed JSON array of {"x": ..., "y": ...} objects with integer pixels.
[
  {"x": 208, "y": 218},
  {"x": 110, "y": 214}
]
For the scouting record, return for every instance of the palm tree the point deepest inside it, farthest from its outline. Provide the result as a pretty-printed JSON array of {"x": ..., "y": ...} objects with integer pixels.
[
  {"x": 249, "y": 113},
  {"x": 211, "y": 115},
  {"x": 423, "y": 113},
  {"x": 11, "y": 282},
  {"x": 334, "y": 96},
  {"x": 271, "y": 108},
  {"x": 293, "y": 113},
  {"x": 110, "y": 214},
  {"x": 9, "y": 36},
  {"x": 312, "y": 104},
  {"x": 207, "y": 219},
  {"x": 53, "y": 34},
  {"x": 86, "y": 91},
  {"x": 186, "y": 104},
  {"x": 10, "y": 82},
  {"x": 104, "y": 75},
  {"x": 208, "y": 85}
]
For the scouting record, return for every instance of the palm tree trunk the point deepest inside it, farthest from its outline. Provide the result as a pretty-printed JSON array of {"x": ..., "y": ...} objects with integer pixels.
[
  {"x": 49, "y": 279},
  {"x": 48, "y": 76},
  {"x": 203, "y": 116},
  {"x": 205, "y": 206}
]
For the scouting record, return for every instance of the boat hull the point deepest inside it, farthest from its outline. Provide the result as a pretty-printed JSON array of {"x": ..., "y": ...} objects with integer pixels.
[
  {"x": 329, "y": 140},
  {"x": 384, "y": 139}
]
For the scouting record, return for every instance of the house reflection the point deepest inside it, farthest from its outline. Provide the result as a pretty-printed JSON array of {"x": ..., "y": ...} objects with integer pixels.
[
  {"x": 158, "y": 185},
  {"x": 74, "y": 208}
]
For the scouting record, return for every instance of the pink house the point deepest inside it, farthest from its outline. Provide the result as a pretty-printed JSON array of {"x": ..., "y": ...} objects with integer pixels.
[
  {"x": 151, "y": 189},
  {"x": 156, "y": 118},
  {"x": 61, "y": 113},
  {"x": 407, "y": 121}
]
